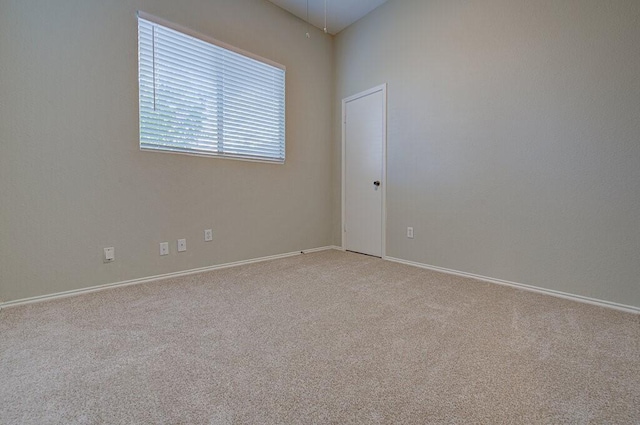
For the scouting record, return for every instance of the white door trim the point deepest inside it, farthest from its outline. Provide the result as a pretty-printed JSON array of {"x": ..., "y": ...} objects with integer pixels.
[{"x": 381, "y": 88}]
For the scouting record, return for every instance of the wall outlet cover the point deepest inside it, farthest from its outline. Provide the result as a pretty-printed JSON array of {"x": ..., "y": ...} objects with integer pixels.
[
  {"x": 182, "y": 245},
  {"x": 109, "y": 255}
]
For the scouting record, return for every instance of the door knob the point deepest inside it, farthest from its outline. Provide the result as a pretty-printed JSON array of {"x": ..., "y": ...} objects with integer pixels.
[{"x": 376, "y": 183}]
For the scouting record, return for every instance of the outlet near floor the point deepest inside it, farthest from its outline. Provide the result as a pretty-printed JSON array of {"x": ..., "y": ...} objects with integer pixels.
[
  {"x": 109, "y": 255},
  {"x": 208, "y": 235},
  {"x": 182, "y": 245},
  {"x": 410, "y": 232},
  {"x": 164, "y": 248}
]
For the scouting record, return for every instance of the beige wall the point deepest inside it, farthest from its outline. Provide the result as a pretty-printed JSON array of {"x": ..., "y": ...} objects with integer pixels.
[
  {"x": 73, "y": 181},
  {"x": 513, "y": 137},
  {"x": 514, "y": 142}
]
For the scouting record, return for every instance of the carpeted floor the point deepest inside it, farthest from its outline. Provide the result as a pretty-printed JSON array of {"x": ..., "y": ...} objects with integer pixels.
[{"x": 322, "y": 338}]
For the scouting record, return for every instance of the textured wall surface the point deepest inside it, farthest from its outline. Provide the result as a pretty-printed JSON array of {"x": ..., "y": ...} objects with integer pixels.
[
  {"x": 513, "y": 137},
  {"x": 72, "y": 179}
]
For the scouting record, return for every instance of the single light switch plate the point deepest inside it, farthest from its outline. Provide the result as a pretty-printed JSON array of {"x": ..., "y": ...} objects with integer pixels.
[
  {"x": 182, "y": 245},
  {"x": 208, "y": 235},
  {"x": 164, "y": 248}
]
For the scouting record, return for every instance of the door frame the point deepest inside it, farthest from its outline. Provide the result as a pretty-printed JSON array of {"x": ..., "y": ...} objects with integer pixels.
[{"x": 381, "y": 88}]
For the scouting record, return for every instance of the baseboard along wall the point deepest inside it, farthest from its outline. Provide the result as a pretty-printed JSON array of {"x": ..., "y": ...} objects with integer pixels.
[
  {"x": 554, "y": 293},
  {"x": 531, "y": 288},
  {"x": 149, "y": 279}
]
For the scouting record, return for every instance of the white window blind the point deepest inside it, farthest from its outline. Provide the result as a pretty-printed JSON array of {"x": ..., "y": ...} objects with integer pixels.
[{"x": 200, "y": 96}]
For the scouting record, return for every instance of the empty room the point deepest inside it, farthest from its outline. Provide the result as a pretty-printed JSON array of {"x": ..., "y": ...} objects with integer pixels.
[{"x": 319, "y": 211}]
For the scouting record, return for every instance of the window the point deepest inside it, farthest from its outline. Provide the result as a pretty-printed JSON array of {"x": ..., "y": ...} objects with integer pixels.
[{"x": 200, "y": 96}]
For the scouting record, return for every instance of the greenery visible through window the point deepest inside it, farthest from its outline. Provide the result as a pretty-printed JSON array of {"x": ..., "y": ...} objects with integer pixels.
[{"x": 201, "y": 97}]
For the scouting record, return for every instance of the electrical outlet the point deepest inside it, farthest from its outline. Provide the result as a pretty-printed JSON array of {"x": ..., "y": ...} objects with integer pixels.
[
  {"x": 164, "y": 248},
  {"x": 410, "y": 232},
  {"x": 109, "y": 255},
  {"x": 182, "y": 245},
  {"x": 208, "y": 235}
]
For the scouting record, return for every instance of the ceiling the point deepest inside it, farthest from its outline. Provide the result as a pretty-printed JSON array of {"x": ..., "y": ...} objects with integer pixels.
[{"x": 340, "y": 13}]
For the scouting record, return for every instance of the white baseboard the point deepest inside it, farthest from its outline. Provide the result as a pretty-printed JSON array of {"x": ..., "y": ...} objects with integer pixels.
[
  {"x": 323, "y": 248},
  {"x": 155, "y": 278},
  {"x": 559, "y": 294}
]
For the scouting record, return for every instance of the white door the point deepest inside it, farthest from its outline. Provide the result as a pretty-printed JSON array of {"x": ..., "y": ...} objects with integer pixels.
[{"x": 364, "y": 128}]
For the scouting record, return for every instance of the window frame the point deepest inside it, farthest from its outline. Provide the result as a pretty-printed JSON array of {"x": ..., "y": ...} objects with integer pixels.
[{"x": 207, "y": 39}]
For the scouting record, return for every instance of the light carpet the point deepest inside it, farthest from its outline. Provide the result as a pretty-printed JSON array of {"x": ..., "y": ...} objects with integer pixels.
[{"x": 329, "y": 337}]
